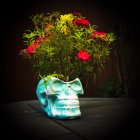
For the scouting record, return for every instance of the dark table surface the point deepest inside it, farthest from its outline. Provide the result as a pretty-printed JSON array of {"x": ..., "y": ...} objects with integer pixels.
[{"x": 102, "y": 118}]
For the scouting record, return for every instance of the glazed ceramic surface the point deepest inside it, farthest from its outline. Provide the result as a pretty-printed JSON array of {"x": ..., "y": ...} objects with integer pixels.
[{"x": 59, "y": 99}]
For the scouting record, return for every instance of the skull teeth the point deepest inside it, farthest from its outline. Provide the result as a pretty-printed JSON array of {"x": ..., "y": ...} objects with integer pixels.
[
  {"x": 68, "y": 102},
  {"x": 68, "y": 107}
]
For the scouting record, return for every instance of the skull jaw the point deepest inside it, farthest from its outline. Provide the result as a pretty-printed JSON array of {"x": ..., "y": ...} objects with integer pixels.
[
  {"x": 65, "y": 110},
  {"x": 64, "y": 113}
]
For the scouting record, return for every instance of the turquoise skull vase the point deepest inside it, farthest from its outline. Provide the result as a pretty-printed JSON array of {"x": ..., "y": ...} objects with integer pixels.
[{"x": 59, "y": 99}]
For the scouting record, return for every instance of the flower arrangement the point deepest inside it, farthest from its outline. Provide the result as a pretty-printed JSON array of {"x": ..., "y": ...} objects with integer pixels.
[{"x": 66, "y": 45}]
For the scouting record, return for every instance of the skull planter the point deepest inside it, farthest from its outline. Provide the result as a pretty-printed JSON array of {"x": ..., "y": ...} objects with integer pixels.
[{"x": 59, "y": 99}]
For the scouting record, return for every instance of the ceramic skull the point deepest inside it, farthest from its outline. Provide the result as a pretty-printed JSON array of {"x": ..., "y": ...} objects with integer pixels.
[{"x": 60, "y": 99}]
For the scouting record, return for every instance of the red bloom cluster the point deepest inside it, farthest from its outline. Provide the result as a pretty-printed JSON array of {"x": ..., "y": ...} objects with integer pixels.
[
  {"x": 32, "y": 48},
  {"x": 81, "y": 21},
  {"x": 98, "y": 34},
  {"x": 83, "y": 55}
]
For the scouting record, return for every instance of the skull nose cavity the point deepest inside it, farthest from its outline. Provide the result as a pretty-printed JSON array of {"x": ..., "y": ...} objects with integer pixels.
[{"x": 68, "y": 85}]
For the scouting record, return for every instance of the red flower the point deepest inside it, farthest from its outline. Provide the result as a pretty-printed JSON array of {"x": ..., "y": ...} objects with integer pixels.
[
  {"x": 31, "y": 49},
  {"x": 83, "y": 56},
  {"x": 98, "y": 34},
  {"x": 80, "y": 21},
  {"x": 92, "y": 36},
  {"x": 101, "y": 34}
]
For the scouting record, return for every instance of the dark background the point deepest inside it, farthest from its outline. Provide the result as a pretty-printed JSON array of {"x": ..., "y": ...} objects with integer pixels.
[
  {"x": 17, "y": 78},
  {"x": 122, "y": 18}
]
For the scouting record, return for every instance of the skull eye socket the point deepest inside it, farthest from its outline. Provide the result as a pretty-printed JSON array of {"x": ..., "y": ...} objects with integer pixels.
[
  {"x": 57, "y": 85},
  {"x": 76, "y": 86}
]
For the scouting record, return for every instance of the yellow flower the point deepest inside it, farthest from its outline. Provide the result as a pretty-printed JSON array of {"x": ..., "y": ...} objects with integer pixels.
[
  {"x": 62, "y": 24},
  {"x": 66, "y": 18}
]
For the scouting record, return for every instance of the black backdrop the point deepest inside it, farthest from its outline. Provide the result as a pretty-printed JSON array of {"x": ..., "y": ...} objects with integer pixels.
[{"x": 17, "y": 79}]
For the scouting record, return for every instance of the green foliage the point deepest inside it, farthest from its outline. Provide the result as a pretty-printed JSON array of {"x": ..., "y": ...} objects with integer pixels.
[
  {"x": 54, "y": 43},
  {"x": 46, "y": 78},
  {"x": 109, "y": 88}
]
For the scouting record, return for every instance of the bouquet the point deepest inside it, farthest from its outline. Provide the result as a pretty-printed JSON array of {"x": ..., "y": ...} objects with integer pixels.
[{"x": 66, "y": 46}]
